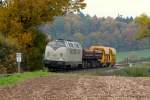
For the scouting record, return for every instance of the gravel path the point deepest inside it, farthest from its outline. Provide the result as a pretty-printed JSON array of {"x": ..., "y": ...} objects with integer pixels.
[{"x": 79, "y": 88}]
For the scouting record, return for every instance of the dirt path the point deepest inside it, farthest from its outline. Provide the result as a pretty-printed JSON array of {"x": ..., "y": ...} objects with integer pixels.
[{"x": 79, "y": 88}]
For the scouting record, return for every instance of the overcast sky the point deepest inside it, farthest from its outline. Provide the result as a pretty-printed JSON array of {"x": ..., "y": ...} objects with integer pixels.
[{"x": 114, "y": 7}]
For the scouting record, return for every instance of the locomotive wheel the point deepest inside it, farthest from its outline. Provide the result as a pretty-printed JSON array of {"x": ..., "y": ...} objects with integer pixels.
[
  {"x": 107, "y": 65},
  {"x": 112, "y": 65},
  {"x": 103, "y": 65},
  {"x": 80, "y": 66}
]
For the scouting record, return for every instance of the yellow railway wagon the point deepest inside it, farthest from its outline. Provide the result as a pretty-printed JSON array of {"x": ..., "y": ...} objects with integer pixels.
[{"x": 106, "y": 54}]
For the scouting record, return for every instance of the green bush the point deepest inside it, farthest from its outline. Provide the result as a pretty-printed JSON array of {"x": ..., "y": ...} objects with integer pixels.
[
  {"x": 7, "y": 58},
  {"x": 34, "y": 55}
]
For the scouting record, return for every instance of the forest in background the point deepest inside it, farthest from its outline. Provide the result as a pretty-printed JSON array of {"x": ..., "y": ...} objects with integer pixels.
[{"x": 119, "y": 32}]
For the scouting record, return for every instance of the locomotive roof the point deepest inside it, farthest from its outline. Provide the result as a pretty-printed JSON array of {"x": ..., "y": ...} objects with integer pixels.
[{"x": 64, "y": 40}]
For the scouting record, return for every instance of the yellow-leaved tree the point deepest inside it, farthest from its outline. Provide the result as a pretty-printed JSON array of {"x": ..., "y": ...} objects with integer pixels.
[{"x": 143, "y": 22}]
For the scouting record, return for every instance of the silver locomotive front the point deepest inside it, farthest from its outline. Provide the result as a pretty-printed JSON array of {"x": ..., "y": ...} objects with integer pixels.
[{"x": 63, "y": 54}]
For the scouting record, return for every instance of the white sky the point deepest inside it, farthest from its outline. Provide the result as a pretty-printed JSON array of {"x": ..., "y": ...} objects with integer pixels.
[{"x": 114, "y": 7}]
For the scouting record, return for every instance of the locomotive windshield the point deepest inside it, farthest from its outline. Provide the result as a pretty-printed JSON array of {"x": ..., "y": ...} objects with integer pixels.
[{"x": 57, "y": 44}]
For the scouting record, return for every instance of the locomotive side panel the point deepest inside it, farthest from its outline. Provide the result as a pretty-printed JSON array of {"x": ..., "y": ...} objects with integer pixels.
[{"x": 74, "y": 54}]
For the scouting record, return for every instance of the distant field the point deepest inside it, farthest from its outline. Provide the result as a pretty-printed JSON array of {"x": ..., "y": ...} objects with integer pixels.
[{"x": 138, "y": 54}]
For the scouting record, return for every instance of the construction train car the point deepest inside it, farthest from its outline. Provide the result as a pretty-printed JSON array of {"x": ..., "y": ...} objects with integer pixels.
[
  {"x": 108, "y": 55},
  {"x": 64, "y": 54},
  {"x": 105, "y": 59}
]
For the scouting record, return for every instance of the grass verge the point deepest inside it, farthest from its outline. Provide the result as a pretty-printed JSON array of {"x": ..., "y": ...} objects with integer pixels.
[
  {"x": 137, "y": 70},
  {"x": 11, "y": 80},
  {"x": 141, "y": 70}
]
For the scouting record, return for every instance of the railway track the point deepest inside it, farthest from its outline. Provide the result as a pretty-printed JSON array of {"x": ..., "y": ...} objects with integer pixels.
[
  {"x": 106, "y": 69},
  {"x": 88, "y": 70}
]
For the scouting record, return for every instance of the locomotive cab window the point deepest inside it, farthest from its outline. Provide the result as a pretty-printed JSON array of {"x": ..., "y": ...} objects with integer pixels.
[
  {"x": 70, "y": 45},
  {"x": 76, "y": 45},
  {"x": 57, "y": 44}
]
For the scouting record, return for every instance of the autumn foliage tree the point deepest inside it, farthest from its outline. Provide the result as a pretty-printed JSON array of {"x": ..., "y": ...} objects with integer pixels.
[
  {"x": 115, "y": 32},
  {"x": 20, "y": 19},
  {"x": 143, "y": 22}
]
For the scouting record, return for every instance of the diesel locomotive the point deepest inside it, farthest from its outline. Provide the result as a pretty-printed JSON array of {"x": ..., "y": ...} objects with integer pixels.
[{"x": 66, "y": 54}]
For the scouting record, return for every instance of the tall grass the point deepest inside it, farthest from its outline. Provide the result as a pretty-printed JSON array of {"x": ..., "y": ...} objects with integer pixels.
[
  {"x": 142, "y": 70},
  {"x": 138, "y": 70}
]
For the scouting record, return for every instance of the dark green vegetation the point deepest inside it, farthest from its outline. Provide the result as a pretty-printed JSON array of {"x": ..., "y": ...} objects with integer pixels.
[
  {"x": 10, "y": 80},
  {"x": 118, "y": 32}
]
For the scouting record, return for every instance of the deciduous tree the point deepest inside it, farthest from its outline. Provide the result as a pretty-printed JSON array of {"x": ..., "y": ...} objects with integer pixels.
[
  {"x": 20, "y": 19},
  {"x": 143, "y": 22}
]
